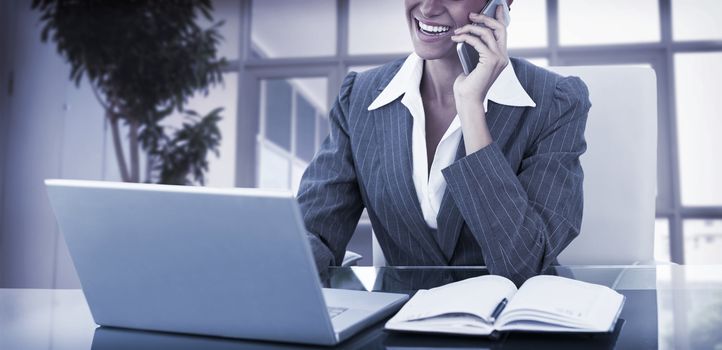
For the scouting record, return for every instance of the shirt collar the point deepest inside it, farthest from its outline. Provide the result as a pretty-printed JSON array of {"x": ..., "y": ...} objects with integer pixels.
[{"x": 506, "y": 89}]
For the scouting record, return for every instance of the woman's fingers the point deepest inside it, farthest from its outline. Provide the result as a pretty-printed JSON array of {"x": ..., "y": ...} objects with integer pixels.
[
  {"x": 499, "y": 16},
  {"x": 485, "y": 34},
  {"x": 487, "y": 21},
  {"x": 496, "y": 25},
  {"x": 475, "y": 41}
]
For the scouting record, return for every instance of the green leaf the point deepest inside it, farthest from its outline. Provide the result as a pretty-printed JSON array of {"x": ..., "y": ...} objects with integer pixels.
[{"x": 147, "y": 58}]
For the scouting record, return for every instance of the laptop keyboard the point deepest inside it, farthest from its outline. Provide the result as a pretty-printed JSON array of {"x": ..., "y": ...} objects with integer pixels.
[{"x": 335, "y": 311}]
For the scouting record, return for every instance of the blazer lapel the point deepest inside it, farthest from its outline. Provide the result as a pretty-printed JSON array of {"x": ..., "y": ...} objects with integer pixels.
[
  {"x": 394, "y": 123},
  {"x": 449, "y": 220}
]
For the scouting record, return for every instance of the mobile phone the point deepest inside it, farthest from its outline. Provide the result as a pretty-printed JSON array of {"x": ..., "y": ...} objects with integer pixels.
[{"x": 468, "y": 55}]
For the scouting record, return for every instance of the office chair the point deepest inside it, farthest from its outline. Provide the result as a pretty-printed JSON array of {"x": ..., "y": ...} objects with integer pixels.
[{"x": 620, "y": 169}]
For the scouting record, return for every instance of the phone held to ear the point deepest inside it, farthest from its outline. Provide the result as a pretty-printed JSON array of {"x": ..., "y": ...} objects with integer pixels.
[{"x": 468, "y": 55}]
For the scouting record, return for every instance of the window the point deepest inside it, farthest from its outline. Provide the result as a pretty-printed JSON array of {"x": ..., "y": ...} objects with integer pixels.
[
  {"x": 278, "y": 112},
  {"x": 697, "y": 20},
  {"x": 699, "y": 124},
  {"x": 703, "y": 241},
  {"x": 661, "y": 240},
  {"x": 221, "y": 169},
  {"x": 528, "y": 27},
  {"x": 591, "y": 22},
  {"x": 305, "y": 129},
  {"x": 291, "y": 116},
  {"x": 294, "y": 29},
  {"x": 367, "y": 36},
  {"x": 228, "y": 11}
]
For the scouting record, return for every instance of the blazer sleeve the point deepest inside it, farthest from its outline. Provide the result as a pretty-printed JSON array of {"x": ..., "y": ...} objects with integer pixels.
[
  {"x": 523, "y": 220},
  {"x": 329, "y": 195}
]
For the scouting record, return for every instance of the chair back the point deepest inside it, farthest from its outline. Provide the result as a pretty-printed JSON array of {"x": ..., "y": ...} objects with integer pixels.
[{"x": 620, "y": 167}]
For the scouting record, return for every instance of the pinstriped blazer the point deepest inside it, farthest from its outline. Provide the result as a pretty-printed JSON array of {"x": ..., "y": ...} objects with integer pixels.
[{"x": 512, "y": 206}]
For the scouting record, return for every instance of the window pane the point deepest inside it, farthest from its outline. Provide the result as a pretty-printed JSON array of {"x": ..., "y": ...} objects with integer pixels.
[
  {"x": 702, "y": 241},
  {"x": 311, "y": 100},
  {"x": 305, "y": 128},
  {"x": 528, "y": 26},
  {"x": 284, "y": 28},
  {"x": 661, "y": 240},
  {"x": 288, "y": 127},
  {"x": 699, "y": 124},
  {"x": 315, "y": 90},
  {"x": 228, "y": 11},
  {"x": 221, "y": 169},
  {"x": 696, "y": 20},
  {"x": 273, "y": 167},
  {"x": 587, "y": 22},
  {"x": 378, "y": 26},
  {"x": 296, "y": 174},
  {"x": 278, "y": 112}
]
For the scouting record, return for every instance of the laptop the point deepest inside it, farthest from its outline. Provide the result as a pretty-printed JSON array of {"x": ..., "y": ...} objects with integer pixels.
[{"x": 221, "y": 262}]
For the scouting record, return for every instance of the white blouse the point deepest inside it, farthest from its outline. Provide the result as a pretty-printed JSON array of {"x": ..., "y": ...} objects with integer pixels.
[{"x": 430, "y": 186}]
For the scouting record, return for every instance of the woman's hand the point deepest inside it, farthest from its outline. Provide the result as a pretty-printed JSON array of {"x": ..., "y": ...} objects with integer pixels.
[{"x": 490, "y": 42}]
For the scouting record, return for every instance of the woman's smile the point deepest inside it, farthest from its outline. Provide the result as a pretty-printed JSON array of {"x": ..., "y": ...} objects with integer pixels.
[
  {"x": 431, "y": 24},
  {"x": 430, "y": 32}
]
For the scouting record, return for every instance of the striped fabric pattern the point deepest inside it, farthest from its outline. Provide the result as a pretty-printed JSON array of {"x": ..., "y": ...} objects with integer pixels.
[{"x": 512, "y": 206}]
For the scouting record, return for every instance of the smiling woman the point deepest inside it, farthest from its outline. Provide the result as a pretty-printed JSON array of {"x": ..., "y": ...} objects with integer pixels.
[{"x": 453, "y": 169}]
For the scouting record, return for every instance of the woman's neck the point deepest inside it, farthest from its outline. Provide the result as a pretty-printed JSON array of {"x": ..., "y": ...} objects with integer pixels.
[{"x": 437, "y": 81}]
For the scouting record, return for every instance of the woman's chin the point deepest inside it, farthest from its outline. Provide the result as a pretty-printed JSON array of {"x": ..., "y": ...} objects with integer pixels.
[{"x": 428, "y": 53}]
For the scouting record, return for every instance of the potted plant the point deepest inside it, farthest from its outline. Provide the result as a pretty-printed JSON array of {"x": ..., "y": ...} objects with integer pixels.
[{"x": 144, "y": 59}]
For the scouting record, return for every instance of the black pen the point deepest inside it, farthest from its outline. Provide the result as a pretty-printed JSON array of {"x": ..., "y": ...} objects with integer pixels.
[{"x": 497, "y": 311}]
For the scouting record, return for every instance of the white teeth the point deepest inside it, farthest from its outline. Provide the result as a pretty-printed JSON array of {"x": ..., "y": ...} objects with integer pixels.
[{"x": 433, "y": 29}]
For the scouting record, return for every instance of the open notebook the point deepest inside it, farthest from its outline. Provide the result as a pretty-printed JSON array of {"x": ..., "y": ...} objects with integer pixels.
[{"x": 543, "y": 303}]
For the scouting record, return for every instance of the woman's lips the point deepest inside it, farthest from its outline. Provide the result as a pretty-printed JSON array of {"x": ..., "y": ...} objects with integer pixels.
[{"x": 431, "y": 32}]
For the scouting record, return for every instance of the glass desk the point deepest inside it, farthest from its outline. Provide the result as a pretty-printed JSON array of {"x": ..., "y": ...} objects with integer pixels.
[{"x": 667, "y": 306}]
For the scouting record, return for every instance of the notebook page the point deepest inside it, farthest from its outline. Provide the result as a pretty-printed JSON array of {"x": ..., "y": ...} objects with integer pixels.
[
  {"x": 478, "y": 296},
  {"x": 444, "y": 324},
  {"x": 562, "y": 301}
]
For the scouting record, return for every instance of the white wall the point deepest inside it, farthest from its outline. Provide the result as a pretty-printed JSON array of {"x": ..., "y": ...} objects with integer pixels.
[
  {"x": 53, "y": 130},
  {"x": 28, "y": 250},
  {"x": 5, "y": 35}
]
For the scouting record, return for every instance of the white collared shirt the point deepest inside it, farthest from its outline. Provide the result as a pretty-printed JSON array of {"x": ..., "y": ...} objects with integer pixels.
[{"x": 430, "y": 186}]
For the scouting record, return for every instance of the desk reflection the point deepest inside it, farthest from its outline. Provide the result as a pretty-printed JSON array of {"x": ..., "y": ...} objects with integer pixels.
[
  {"x": 106, "y": 338},
  {"x": 410, "y": 280}
]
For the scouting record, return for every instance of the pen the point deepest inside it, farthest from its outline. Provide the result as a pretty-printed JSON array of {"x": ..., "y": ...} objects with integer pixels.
[{"x": 497, "y": 310}]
